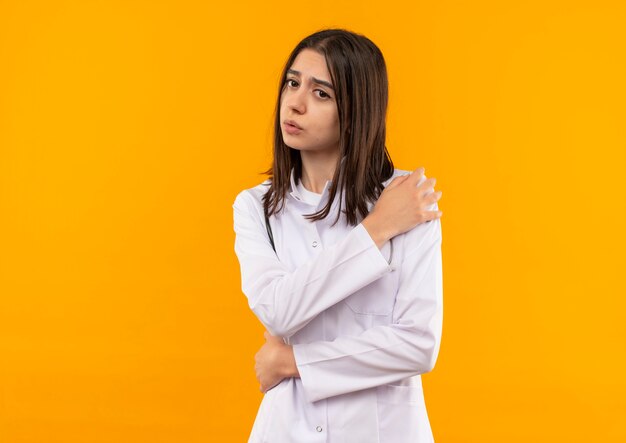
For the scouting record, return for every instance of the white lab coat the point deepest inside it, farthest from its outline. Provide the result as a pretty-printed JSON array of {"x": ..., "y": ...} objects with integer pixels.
[{"x": 362, "y": 329}]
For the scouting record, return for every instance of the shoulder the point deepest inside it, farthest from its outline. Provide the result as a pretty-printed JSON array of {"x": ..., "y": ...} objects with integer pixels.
[
  {"x": 251, "y": 199},
  {"x": 399, "y": 172}
]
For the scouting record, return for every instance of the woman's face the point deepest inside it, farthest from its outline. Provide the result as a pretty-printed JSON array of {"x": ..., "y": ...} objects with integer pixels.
[{"x": 310, "y": 104}]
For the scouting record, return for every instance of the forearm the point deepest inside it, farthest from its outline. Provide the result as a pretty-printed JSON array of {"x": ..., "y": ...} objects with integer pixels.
[
  {"x": 285, "y": 301},
  {"x": 384, "y": 354}
]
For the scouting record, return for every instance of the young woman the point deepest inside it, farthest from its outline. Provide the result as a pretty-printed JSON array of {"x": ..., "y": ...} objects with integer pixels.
[{"x": 340, "y": 257}]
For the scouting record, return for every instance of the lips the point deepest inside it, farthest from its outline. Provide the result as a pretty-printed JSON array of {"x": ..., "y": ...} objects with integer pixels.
[
  {"x": 292, "y": 123},
  {"x": 291, "y": 130}
]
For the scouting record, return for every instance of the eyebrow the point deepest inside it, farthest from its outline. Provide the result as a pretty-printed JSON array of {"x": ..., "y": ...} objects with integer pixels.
[{"x": 315, "y": 80}]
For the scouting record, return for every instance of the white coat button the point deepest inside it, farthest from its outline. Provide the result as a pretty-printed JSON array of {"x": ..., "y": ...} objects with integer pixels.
[
  {"x": 318, "y": 429},
  {"x": 314, "y": 244}
]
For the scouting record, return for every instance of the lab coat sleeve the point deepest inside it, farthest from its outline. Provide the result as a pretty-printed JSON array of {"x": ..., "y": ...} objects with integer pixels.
[
  {"x": 286, "y": 300},
  {"x": 383, "y": 354}
]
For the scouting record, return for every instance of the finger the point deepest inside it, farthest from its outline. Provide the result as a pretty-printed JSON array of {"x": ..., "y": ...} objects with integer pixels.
[
  {"x": 427, "y": 185},
  {"x": 416, "y": 175},
  {"x": 397, "y": 180},
  {"x": 433, "y": 197},
  {"x": 431, "y": 215},
  {"x": 267, "y": 335}
]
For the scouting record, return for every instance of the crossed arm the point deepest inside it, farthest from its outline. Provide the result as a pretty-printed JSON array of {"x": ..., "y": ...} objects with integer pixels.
[{"x": 285, "y": 301}]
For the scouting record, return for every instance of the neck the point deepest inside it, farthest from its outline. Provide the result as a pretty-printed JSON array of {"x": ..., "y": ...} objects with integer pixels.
[{"x": 318, "y": 168}]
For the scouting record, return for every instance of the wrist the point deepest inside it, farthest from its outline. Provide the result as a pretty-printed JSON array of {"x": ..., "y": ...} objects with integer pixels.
[
  {"x": 376, "y": 230},
  {"x": 290, "y": 369}
]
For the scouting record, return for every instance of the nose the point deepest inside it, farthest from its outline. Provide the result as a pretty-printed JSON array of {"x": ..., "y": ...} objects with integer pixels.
[{"x": 295, "y": 100}]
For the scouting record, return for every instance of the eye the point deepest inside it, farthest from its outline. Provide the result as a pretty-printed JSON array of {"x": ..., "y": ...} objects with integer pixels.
[{"x": 324, "y": 94}]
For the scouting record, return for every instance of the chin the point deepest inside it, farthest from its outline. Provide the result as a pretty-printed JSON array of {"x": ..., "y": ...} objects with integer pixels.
[{"x": 296, "y": 145}]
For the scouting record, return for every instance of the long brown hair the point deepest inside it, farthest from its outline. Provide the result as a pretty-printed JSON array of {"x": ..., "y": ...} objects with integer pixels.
[{"x": 359, "y": 76}]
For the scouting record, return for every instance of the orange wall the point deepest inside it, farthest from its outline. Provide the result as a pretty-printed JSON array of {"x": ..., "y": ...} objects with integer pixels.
[{"x": 128, "y": 127}]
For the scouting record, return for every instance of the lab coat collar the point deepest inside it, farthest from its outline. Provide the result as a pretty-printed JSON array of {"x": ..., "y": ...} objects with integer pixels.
[{"x": 294, "y": 189}]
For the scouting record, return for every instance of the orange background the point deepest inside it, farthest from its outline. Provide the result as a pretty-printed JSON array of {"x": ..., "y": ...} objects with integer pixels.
[{"x": 128, "y": 127}]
